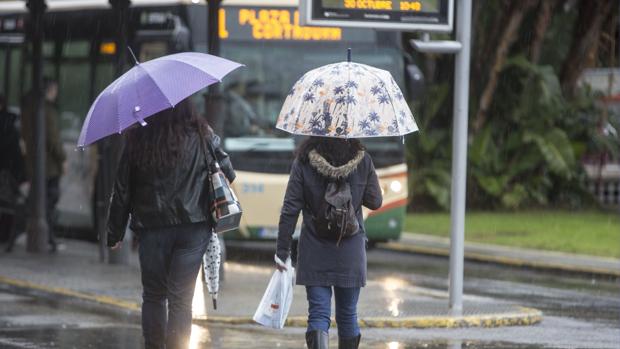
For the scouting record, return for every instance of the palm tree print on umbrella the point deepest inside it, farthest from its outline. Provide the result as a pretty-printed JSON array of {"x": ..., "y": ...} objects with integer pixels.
[{"x": 347, "y": 100}]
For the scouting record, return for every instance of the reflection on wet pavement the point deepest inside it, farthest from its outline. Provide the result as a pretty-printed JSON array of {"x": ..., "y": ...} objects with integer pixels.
[
  {"x": 27, "y": 322},
  {"x": 579, "y": 312},
  {"x": 216, "y": 338},
  {"x": 390, "y": 285}
]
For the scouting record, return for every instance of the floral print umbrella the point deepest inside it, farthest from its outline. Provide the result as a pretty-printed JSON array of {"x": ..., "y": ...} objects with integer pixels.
[
  {"x": 346, "y": 100},
  {"x": 211, "y": 261}
]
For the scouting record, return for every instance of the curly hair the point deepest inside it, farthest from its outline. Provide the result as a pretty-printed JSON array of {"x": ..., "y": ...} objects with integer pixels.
[
  {"x": 336, "y": 151},
  {"x": 159, "y": 144}
]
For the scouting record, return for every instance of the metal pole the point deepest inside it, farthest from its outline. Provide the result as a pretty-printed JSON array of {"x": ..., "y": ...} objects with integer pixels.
[
  {"x": 213, "y": 25},
  {"x": 459, "y": 156},
  {"x": 214, "y": 98},
  {"x": 37, "y": 224},
  {"x": 111, "y": 145}
]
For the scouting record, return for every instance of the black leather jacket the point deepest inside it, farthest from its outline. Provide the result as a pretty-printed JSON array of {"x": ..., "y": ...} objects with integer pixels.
[{"x": 164, "y": 197}]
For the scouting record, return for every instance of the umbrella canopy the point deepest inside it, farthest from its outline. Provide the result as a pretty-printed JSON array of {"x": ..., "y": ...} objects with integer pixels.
[
  {"x": 346, "y": 100},
  {"x": 211, "y": 267},
  {"x": 148, "y": 88}
]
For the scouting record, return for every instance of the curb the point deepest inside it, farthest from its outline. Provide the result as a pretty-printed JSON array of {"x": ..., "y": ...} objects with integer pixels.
[
  {"x": 522, "y": 317},
  {"x": 513, "y": 262},
  {"x": 98, "y": 302}
]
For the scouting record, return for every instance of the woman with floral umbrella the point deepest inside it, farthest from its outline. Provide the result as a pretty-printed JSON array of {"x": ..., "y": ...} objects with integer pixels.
[{"x": 331, "y": 179}]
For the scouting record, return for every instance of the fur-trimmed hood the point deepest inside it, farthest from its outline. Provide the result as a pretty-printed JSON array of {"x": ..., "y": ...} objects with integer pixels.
[{"x": 328, "y": 170}]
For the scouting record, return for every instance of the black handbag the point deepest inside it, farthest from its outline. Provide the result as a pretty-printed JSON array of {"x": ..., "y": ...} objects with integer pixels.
[{"x": 223, "y": 203}]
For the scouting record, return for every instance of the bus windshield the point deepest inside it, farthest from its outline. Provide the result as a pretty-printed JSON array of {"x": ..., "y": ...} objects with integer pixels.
[{"x": 255, "y": 95}]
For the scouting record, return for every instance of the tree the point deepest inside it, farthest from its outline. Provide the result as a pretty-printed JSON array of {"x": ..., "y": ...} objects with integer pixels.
[
  {"x": 543, "y": 19},
  {"x": 509, "y": 33},
  {"x": 587, "y": 30}
]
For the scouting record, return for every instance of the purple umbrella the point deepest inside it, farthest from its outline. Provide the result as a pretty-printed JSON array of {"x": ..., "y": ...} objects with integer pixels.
[{"x": 148, "y": 88}]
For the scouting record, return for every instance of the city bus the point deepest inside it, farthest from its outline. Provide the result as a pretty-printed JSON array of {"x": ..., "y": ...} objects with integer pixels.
[{"x": 80, "y": 49}]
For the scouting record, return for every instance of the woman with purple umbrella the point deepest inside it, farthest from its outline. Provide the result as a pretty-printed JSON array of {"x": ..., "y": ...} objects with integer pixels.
[{"x": 160, "y": 182}]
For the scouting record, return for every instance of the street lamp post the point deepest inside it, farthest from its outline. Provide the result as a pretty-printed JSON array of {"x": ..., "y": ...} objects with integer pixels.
[{"x": 38, "y": 229}]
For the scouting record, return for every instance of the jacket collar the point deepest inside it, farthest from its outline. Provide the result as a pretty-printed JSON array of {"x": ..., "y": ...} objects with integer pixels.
[{"x": 328, "y": 170}]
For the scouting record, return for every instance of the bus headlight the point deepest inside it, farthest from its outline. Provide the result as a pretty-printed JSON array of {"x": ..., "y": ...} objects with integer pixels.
[{"x": 396, "y": 186}]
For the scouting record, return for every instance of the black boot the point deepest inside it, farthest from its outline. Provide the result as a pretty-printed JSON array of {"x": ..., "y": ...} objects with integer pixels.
[
  {"x": 317, "y": 339},
  {"x": 349, "y": 343}
]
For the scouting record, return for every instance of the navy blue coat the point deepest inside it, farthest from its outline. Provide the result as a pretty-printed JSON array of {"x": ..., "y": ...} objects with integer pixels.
[{"x": 321, "y": 262}]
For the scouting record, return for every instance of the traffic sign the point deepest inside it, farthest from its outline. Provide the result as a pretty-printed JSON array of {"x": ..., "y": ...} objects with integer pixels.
[{"x": 406, "y": 15}]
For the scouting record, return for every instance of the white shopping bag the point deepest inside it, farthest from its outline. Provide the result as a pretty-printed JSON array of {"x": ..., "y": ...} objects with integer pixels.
[{"x": 276, "y": 303}]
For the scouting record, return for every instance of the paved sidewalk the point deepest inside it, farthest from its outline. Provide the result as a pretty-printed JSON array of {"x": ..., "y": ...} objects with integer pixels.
[
  {"x": 76, "y": 275},
  {"x": 557, "y": 261}
]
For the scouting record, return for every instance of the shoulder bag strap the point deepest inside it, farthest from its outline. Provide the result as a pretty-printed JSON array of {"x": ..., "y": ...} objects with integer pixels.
[{"x": 204, "y": 145}]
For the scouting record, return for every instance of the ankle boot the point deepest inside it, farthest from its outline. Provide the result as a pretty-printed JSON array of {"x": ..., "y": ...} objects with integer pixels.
[
  {"x": 349, "y": 343},
  {"x": 317, "y": 339}
]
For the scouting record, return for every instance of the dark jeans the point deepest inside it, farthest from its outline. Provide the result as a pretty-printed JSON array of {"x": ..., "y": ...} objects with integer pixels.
[
  {"x": 319, "y": 309},
  {"x": 169, "y": 260}
]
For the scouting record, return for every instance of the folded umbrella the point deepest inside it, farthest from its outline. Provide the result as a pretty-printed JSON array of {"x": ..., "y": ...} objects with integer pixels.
[
  {"x": 346, "y": 100},
  {"x": 148, "y": 88},
  {"x": 211, "y": 261}
]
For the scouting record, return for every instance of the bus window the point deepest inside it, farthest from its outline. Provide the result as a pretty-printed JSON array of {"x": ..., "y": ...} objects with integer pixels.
[
  {"x": 3, "y": 62},
  {"x": 76, "y": 49},
  {"x": 255, "y": 95},
  {"x": 152, "y": 49},
  {"x": 104, "y": 75},
  {"x": 48, "y": 50},
  {"x": 15, "y": 78},
  {"x": 73, "y": 98}
]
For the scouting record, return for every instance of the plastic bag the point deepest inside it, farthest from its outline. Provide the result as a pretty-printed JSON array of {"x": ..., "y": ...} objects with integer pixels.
[{"x": 276, "y": 302}]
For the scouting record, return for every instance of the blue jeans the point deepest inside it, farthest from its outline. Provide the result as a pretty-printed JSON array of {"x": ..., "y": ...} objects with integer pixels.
[
  {"x": 169, "y": 261},
  {"x": 319, "y": 309}
]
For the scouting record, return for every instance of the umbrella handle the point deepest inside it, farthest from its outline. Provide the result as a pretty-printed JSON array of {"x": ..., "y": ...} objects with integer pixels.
[{"x": 349, "y": 55}]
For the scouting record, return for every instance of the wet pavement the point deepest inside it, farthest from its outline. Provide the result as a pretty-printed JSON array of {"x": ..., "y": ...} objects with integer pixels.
[
  {"x": 28, "y": 322},
  {"x": 580, "y": 312},
  {"x": 387, "y": 301}
]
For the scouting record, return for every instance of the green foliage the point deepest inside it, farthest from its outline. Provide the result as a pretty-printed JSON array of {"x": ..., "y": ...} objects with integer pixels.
[
  {"x": 527, "y": 154},
  {"x": 429, "y": 152},
  {"x": 530, "y": 149},
  {"x": 524, "y": 158}
]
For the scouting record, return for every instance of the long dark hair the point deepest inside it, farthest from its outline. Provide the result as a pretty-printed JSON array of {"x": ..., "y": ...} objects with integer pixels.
[
  {"x": 336, "y": 151},
  {"x": 159, "y": 144}
]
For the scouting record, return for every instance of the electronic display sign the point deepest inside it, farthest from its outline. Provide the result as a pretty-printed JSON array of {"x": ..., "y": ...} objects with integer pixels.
[{"x": 405, "y": 15}]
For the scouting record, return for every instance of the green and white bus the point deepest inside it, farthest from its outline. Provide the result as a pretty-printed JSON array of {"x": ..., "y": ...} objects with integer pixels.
[{"x": 80, "y": 50}]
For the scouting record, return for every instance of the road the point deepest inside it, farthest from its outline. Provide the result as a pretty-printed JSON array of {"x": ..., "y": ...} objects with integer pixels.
[{"x": 579, "y": 313}]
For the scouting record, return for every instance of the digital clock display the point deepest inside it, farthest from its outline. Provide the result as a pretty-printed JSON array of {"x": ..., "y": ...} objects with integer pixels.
[
  {"x": 429, "y": 6},
  {"x": 407, "y": 15}
]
